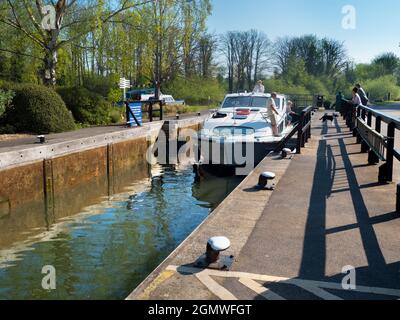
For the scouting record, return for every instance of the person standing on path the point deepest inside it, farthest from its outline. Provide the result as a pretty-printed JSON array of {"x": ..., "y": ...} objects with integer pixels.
[
  {"x": 362, "y": 94},
  {"x": 356, "y": 100},
  {"x": 349, "y": 110}
]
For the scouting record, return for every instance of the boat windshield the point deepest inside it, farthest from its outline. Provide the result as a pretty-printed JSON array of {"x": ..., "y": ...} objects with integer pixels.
[
  {"x": 233, "y": 131},
  {"x": 259, "y": 102},
  {"x": 245, "y": 102}
]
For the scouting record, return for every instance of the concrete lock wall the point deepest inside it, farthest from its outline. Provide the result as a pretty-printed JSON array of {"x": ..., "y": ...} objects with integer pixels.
[{"x": 38, "y": 190}]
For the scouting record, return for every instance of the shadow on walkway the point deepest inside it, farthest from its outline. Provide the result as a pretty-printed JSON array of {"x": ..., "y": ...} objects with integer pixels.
[{"x": 378, "y": 273}]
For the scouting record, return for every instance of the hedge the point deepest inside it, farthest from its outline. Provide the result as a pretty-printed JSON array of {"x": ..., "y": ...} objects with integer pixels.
[
  {"x": 36, "y": 109},
  {"x": 87, "y": 107}
]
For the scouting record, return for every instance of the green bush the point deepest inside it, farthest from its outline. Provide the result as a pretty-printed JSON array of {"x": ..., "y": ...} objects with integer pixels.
[
  {"x": 6, "y": 97},
  {"x": 114, "y": 96},
  {"x": 327, "y": 104},
  {"x": 36, "y": 109},
  {"x": 315, "y": 86},
  {"x": 176, "y": 109},
  {"x": 87, "y": 107},
  {"x": 116, "y": 115},
  {"x": 281, "y": 86},
  {"x": 7, "y": 129},
  {"x": 196, "y": 90},
  {"x": 8, "y": 85},
  {"x": 102, "y": 85},
  {"x": 379, "y": 88}
]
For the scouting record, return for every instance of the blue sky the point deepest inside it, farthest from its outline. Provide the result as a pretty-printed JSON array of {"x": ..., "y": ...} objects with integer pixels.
[{"x": 377, "y": 21}]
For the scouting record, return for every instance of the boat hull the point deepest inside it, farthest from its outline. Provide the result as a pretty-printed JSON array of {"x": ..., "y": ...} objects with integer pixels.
[{"x": 227, "y": 155}]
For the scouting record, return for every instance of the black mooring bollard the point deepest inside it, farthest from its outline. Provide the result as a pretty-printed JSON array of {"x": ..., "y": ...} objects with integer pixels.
[{"x": 42, "y": 139}]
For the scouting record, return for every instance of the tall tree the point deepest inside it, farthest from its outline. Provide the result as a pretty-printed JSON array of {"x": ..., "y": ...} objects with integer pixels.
[
  {"x": 334, "y": 57},
  {"x": 284, "y": 50},
  {"x": 26, "y": 17},
  {"x": 228, "y": 49},
  {"x": 247, "y": 55},
  {"x": 262, "y": 55},
  {"x": 322, "y": 57},
  {"x": 388, "y": 61},
  {"x": 206, "y": 52}
]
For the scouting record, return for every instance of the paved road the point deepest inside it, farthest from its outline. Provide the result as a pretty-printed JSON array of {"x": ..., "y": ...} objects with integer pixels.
[{"x": 391, "y": 109}]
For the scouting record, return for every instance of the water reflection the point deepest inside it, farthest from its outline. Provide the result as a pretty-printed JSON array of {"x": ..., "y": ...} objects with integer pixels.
[{"x": 110, "y": 247}]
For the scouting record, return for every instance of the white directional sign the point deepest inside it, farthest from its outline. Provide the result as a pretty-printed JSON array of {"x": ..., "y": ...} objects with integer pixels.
[{"x": 124, "y": 83}]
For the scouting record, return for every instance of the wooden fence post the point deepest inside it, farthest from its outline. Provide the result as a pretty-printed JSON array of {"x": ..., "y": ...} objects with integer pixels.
[
  {"x": 300, "y": 143},
  {"x": 390, "y": 151}
]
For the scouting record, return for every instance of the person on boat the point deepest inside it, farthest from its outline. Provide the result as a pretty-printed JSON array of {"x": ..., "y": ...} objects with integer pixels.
[
  {"x": 259, "y": 88},
  {"x": 362, "y": 94},
  {"x": 273, "y": 113},
  {"x": 291, "y": 115}
]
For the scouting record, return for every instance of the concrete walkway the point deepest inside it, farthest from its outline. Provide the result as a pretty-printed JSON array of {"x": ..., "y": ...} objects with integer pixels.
[
  {"x": 31, "y": 141},
  {"x": 26, "y": 150},
  {"x": 326, "y": 213}
]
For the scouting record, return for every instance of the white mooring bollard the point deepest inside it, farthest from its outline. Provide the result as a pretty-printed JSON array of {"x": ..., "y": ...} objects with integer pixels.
[{"x": 264, "y": 180}]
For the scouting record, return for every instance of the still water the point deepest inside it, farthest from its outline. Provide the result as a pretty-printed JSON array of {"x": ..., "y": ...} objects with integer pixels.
[{"x": 106, "y": 250}]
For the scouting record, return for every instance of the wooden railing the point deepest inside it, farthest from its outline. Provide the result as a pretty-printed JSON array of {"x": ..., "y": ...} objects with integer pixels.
[
  {"x": 379, "y": 145},
  {"x": 150, "y": 110},
  {"x": 302, "y": 129}
]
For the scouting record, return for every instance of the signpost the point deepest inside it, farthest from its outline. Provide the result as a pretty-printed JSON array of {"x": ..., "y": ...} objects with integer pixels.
[
  {"x": 134, "y": 110},
  {"x": 124, "y": 84}
]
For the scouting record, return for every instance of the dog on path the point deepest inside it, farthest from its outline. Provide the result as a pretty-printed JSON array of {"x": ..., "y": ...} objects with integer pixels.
[{"x": 328, "y": 117}]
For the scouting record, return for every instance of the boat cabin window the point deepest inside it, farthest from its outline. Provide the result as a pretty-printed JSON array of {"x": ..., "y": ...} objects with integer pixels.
[
  {"x": 278, "y": 103},
  {"x": 245, "y": 102},
  {"x": 237, "y": 102},
  {"x": 233, "y": 131},
  {"x": 259, "y": 102}
]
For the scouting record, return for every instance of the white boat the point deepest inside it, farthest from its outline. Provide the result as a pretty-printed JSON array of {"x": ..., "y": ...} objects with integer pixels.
[{"x": 242, "y": 121}]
